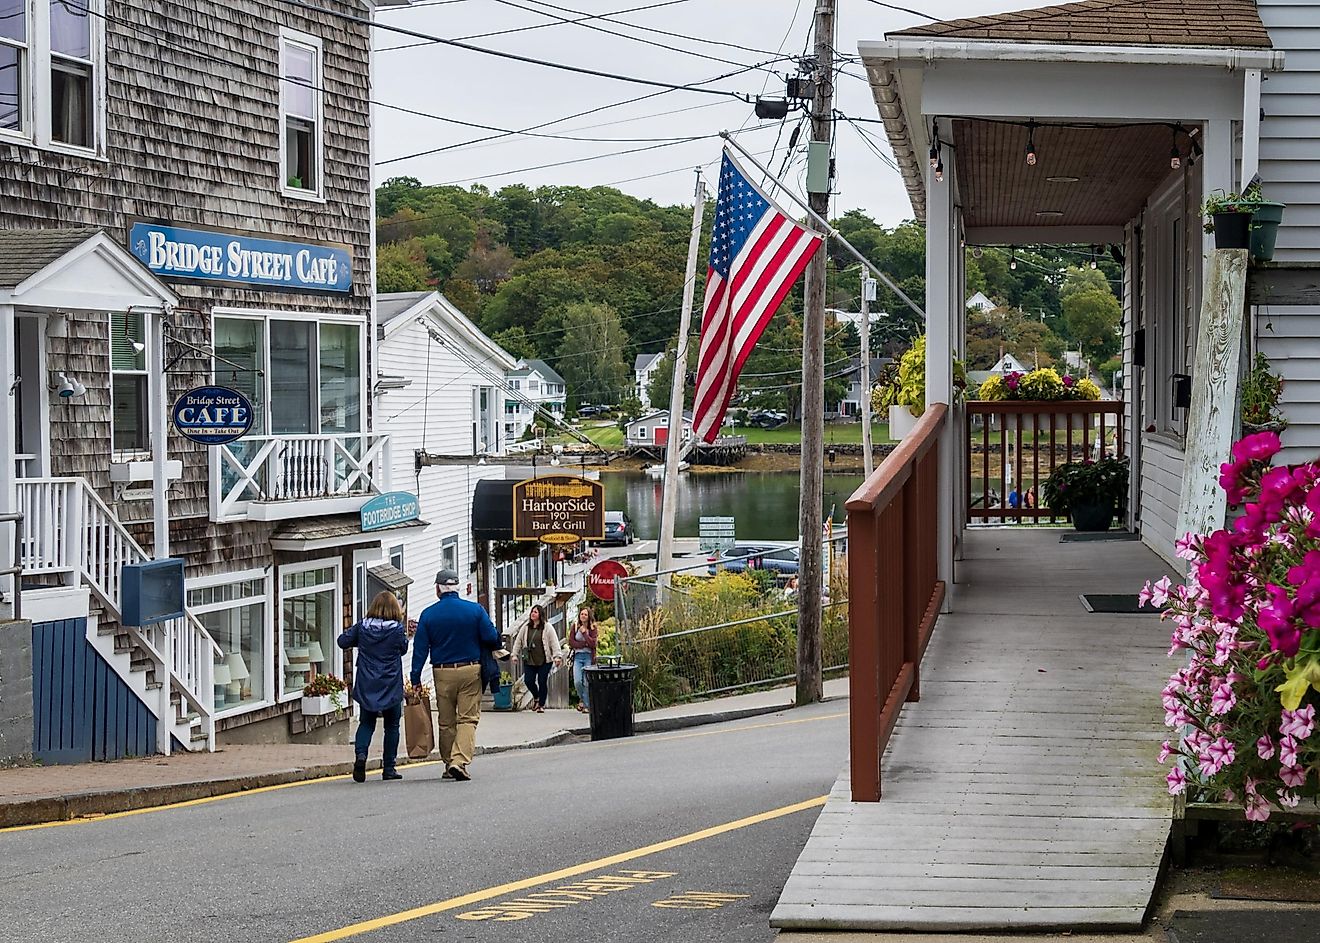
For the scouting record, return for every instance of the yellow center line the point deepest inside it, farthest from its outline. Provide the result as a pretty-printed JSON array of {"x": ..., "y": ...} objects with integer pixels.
[
  {"x": 513, "y": 887},
  {"x": 329, "y": 779}
]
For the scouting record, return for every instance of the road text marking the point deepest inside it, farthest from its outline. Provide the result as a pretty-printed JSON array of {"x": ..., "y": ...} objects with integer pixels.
[
  {"x": 550, "y": 877},
  {"x": 699, "y": 900},
  {"x": 565, "y": 895}
]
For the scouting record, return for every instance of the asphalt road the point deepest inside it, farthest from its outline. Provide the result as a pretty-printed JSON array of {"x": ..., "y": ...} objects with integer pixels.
[{"x": 679, "y": 836}]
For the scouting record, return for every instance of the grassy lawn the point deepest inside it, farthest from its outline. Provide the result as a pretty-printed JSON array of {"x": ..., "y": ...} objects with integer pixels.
[{"x": 607, "y": 435}]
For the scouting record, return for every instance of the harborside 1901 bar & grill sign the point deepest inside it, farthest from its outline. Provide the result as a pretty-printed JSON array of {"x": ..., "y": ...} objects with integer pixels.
[
  {"x": 215, "y": 256},
  {"x": 558, "y": 509}
]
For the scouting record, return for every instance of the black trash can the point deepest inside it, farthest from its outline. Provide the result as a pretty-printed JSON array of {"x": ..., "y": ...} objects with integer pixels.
[{"x": 610, "y": 693}]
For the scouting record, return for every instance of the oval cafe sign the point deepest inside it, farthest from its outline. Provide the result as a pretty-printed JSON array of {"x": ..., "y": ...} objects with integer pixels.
[
  {"x": 558, "y": 509},
  {"x": 212, "y": 415}
]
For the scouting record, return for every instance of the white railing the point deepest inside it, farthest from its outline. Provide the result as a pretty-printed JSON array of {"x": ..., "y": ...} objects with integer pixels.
[
  {"x": 78, "y": 536},
  {"x": 297, "y": 468},
  {"x": 515, "y": 448}
]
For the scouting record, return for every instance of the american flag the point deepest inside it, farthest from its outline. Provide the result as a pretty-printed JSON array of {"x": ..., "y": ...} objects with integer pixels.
[{"x": 756, "y": 254}]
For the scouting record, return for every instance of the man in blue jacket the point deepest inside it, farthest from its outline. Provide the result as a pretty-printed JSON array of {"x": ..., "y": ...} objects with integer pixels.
[{"x": 452, "y": 633}]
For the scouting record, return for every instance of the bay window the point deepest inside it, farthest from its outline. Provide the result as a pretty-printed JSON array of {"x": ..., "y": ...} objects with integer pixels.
[
  {"x": 300, "y": 114},
  {"x": 51, "y": 53},
  {"x": 233, "y": 611},
  {"x": 310, "y": 622}
]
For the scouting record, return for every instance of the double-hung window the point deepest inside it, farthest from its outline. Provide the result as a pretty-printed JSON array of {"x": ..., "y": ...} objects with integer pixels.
[
  {"x": 128, "y": 382},
  {"x": 301, "y": 114},
  {"x": 50, "y": 71}
]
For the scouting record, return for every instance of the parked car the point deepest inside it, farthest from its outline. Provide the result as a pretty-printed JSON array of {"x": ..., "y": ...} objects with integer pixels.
[
  {"x": 592, "y": 410},
  {"x": 618, "y": 529},
  {"x": 777, "y": 558},
  {"x": 767, "y": 418}
]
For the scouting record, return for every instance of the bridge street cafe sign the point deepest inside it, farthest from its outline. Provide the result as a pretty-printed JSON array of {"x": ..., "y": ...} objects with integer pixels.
[
  {"x": 211, "y": 255},
  {"x": 558, "y": 509}
]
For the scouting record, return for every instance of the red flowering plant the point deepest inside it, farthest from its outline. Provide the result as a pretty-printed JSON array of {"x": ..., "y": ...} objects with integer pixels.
[{"x": 1248, "y": 621}]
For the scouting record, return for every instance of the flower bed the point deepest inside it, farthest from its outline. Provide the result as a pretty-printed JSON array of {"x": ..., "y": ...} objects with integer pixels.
[
  {"x": 1044, "y": 384},
  {"x": 1248, "y": 620}
]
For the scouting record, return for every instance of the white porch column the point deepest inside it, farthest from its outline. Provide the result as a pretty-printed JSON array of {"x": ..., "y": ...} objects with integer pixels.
[
  {"x": 1217, "y": 167},
  {"x": 941, "y": 272},
  {"x": 9, "y": 435}
]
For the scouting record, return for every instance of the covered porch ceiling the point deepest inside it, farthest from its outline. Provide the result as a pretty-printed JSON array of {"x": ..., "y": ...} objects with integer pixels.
[{"x": 1085, "y": 185}]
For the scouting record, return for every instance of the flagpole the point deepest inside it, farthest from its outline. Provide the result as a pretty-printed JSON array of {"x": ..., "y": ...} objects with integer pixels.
[
  {"x": 664, "y": 552},
  {"x": 825, "y": 225}
]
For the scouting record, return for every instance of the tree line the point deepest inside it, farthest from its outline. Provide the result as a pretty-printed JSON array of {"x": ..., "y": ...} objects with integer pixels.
[{"x": 587, "y": 278}]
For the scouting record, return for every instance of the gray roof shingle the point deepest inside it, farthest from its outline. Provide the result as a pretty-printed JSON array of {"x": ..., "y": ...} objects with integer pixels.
[
  {"x": 24, "y": 252},
  {"x": 392, "y": 304}
]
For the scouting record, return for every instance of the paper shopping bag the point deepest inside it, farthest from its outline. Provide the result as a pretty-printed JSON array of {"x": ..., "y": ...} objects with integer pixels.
[{"x": 417, "y": 728}]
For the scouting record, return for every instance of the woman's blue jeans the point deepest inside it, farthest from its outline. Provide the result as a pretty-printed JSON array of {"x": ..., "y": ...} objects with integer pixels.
[
  {"x": 581, "y": 661},
  {"x": 367, "y": 729},
  {"x": 537, "y": 678}
]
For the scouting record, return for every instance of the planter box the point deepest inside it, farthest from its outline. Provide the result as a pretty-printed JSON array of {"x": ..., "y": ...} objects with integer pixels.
[
  {"x": 504, "y": 697},
  {"x": 316, "y": 706},
  {"x": 901, "y": 422}
]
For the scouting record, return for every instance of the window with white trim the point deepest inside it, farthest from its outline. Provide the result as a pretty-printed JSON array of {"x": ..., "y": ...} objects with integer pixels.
[
  {"x": 449, "y": 553},
  {"x": 128, "y": 381},
  {"x": 50, "y": 72},
  {"x": 396, "y": 557},
  {"x": 301, "y": 114},
  {"x": 310, "y": 623},
  {"x": 234, "y": 613}
]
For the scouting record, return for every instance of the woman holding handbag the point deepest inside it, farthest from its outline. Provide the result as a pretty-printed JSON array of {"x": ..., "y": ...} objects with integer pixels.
[
  {"x": 381, "y": 642},
  {"x": 538, "y": 648},
  {"x": 582, "y": 638}
]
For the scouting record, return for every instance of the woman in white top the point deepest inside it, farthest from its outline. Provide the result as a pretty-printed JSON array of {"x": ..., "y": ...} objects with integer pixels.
[{"x": 538, "y": 648}]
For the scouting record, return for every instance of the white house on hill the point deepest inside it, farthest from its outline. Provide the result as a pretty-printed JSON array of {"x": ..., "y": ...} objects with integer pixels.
[
  {"x": 441, "y": 392},
  {"x": 979, "y": 302},
  {"x": 644, "y": 368},
  {"x": 532, "y": 386}
]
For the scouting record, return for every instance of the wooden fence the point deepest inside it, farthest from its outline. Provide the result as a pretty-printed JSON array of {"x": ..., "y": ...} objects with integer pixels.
[
  {"x": 1014, "y": 446},
  {"x": 895, "y": 592}
]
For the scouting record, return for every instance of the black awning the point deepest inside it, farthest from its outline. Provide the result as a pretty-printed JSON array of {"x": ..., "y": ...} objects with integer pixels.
[{"x": 492, "y": 509}]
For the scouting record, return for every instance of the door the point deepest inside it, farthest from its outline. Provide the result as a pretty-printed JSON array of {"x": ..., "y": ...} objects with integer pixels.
[
  {"x": 31, "y": 433},
  {"x": 661, "y": 435}
]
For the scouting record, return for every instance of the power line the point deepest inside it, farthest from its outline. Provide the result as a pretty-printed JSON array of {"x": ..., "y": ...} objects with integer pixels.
[
  {"x": 514, "y": 57},
  {"x": 890, "y": 6}
]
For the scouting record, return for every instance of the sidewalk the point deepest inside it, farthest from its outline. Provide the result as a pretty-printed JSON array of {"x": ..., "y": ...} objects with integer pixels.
[{"x": 33, "y": 795}]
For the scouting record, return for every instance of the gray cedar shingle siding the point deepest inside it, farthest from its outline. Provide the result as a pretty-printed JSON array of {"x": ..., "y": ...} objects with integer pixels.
[{"x": 193, "y": 139}]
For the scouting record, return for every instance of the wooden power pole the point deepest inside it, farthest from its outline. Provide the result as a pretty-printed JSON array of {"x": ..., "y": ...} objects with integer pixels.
[{"x": 810, "y": 687}]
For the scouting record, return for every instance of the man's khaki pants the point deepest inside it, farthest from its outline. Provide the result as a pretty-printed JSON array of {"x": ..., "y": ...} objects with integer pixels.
[{"x": 458, "y": 701}]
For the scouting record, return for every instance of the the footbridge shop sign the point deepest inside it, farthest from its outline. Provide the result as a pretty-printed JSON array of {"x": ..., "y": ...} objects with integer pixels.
[
  {"x": 214, "y": 256},
  {"x": 212, "y": 415},
  {"x": 392, "y": 507},
  {"x": 558, "y": 509}
]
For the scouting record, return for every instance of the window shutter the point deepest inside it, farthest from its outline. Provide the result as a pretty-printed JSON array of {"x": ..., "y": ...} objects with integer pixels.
[{"x": 125, "y": 328}]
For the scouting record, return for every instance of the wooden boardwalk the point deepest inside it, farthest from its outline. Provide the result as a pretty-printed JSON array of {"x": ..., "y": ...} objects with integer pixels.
[{"x": 1022, "y": 792}]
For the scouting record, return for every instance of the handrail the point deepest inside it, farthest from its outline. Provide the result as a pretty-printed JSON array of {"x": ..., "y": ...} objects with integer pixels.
[
  {"x": 16, "y": 571},
  {"x": 895, "y": 592}
]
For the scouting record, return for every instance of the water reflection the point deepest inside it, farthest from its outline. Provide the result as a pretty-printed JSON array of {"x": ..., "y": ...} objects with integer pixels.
[{"x": 765, "y": 504}]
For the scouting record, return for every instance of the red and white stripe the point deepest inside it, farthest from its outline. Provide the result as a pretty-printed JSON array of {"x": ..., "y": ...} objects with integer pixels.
[{"x": 736, "y": 312}]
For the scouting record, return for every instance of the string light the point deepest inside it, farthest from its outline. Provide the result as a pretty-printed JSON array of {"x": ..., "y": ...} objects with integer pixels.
[
  {"x": 1012, "y": 258},
  {"x": 939, "y": 171},
  {"x": 1175, "y": 158},
  {"x": 936, "y": 160},
  {"x": 1094, "y": 265},
  {"x": 1031, "y": 144}
]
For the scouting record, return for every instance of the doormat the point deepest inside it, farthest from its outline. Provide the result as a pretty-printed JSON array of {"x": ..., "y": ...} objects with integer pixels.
[
  {"x": 1275, "y": 884},
  {"x": 1123, "y": 603},
  {"x": 1241, "y": 926},
  {"x": 1081, "y": 536}
]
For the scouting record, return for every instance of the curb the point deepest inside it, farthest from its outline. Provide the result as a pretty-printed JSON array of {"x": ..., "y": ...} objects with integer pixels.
[{"x": 48, "y": 809}]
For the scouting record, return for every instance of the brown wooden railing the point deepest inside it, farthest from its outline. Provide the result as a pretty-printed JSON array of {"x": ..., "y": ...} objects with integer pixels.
[
  {"x": 894, "y": 592},
  {"x": 1013, "y": 447}
]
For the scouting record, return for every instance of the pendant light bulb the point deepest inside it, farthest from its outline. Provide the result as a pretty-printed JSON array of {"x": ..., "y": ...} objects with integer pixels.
[
  {"x": 1175, "y": 159},
  {"x": 1094, "y": 264},
  {"x": 1031, "y": 144},
  {"x": 1012, "y": 259},
  {"x": 939, "y": 172},
  {"x": 934, "y": 156}
]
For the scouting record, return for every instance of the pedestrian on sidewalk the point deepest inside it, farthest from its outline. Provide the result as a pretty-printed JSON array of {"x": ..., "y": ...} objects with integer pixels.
[
  {"x": 452, "y": 633},
  {"x": 539, "y": 650},
  {"x": 381, "y": 641},
  {"x": 582, "y": 640}
]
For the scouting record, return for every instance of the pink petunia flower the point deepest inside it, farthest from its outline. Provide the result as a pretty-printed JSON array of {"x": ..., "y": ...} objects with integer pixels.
[
  {"x": 1166, "y": 751},
  {"x": 1217, "y": 755},
  {"x": 1257, "y": 809},
  {"x": 1289, "y": 800},
  {"x": 1265, "y": 747},
  {"x": 1177, "y": 781},
  {"x": 1288, "y": 751},
  {"x": 1223, "y": 699},
  {"x": 1298, "y": 724},
  {"x": 1293, "y": 776}
]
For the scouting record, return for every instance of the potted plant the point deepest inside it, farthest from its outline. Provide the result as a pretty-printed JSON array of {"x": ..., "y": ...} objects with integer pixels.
[
  {"x": 1090, "y": 493},
  {"x": 324, "y": 694},
  {"x": 903, "y": 390},
  {"x": 1228, "y": 216},
  {"x": 504, "y": 695},
  {"x": 1261, "y": 391}
]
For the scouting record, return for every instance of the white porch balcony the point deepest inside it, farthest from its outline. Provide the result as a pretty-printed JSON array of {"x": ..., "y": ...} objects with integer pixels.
[{"x": 275, "y": 478}]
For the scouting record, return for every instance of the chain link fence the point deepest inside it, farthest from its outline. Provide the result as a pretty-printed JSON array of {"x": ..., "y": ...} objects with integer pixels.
[{"x": 716, "y": 631}]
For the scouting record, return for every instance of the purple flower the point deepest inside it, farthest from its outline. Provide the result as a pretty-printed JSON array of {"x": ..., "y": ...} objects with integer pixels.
[
  {"x": 1068, "y": 380},
  {"x": 1265, "y": 747},
  {"x": 1216, "y": 756},
  {"x": 1298, "y": 724},
  {"x": 1177, "y": 781},
  {"x": 1257, "y": 808},
  {"x": 1223, "y": 699},
  {"x": 1293, "y": 776},
  {"x": 1277, "y": 619},
  {"x": 1288, "y": 751},
  {"x": 1166, "y": 751}
]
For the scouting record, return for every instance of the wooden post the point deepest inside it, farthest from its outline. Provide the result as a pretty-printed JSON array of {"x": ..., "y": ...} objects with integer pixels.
[
  {"x": 1212, "y": 420},
  {"x": 810, "y": 685}
]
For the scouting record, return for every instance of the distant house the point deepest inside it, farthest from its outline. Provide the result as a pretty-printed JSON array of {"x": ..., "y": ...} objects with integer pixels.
[
  {"x": 644, "y": 368},
  {"x": 532, "y": 386},
  {"x": 979, "y": 302},
  {"x": 1004, "y": 365},
  {"x": 851, "y": 404},
  {"x": 652, "y": 430}
]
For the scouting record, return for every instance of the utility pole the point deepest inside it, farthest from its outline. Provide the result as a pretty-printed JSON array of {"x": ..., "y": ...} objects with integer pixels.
[
  {"x": 664, "y": 553},
  {"x": 810, "y": 686},
  {"x": 868, "y": 293}
]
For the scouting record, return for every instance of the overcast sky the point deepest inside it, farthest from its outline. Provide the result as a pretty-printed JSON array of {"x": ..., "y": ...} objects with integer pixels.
[{"x": 469, "y": 86}]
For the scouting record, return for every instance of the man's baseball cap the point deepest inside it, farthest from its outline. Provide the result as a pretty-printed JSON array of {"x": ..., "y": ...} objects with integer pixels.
[{"x": 446, "y": 578}]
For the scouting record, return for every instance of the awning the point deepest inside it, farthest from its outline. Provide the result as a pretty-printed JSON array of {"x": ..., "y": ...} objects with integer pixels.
[
  {"x": 492, "y": 509},
  {"x": 391, "y": 577},
  {"x": 334, "y": 530}
]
